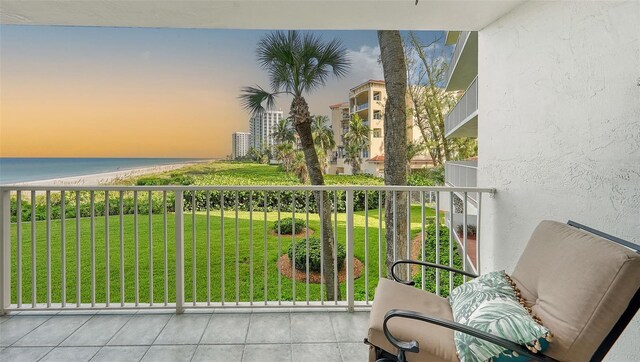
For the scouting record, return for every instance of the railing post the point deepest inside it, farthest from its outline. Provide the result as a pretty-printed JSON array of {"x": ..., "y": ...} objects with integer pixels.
[
  {"x": 179, "y": 237},
  {"x": 350, "y": 262},
  {"x": 5, "y": 250}
]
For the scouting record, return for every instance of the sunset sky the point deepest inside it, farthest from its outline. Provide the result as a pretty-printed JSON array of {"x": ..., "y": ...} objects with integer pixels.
[{"x": 122, "y": 92}]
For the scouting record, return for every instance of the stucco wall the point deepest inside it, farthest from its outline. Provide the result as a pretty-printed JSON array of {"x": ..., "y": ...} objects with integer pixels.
[{"x": 559, "y": 127}]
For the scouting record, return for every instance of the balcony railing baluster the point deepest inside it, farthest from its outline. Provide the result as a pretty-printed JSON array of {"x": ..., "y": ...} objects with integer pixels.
[{"x": 136, "y": 276}]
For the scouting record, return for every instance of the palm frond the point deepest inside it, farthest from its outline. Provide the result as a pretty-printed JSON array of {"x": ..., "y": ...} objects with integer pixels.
[
  {"x": 320, "y": 60},
  {"x": 298, "y": 62},
  {"x": 256, "y": 99}
]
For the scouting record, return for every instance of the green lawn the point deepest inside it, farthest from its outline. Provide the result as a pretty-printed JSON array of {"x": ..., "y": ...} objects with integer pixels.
[{"x": 274, "y": 248}]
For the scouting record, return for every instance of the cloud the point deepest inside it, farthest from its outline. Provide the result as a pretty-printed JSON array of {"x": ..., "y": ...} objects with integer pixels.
[{"x": 364, "y": 63}]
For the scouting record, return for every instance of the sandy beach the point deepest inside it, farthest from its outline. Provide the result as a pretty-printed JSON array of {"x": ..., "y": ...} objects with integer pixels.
[{"x": 107, "y": 177}]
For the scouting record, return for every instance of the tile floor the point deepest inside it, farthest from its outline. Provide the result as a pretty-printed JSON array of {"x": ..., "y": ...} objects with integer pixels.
[{"x": 220, "y": 335}]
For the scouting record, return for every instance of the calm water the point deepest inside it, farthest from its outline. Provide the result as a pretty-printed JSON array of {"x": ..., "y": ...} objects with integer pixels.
[{"x": 14, "y": 170}]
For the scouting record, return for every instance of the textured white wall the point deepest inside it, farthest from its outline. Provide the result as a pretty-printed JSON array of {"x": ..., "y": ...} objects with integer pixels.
[{"x": 559, "y": 127}]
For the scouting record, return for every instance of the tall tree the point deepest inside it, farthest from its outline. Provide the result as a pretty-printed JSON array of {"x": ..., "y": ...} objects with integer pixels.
[
  {"x": 356, "y": 141},
  {"x": 426, "y": 72},
  {"x": 284, "y": 152},
  {"x": 352, "y": 156},
  {"x": 395, "y": 146},
  {"x": 298, "y": 64},
  {"x": 322, "y": 138},
  {"x": 284, "y": 136},
  {"x": 282, "y": 132}
]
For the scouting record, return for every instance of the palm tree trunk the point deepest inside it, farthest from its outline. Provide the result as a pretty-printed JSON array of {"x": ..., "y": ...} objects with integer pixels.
[
  {"x": 395, "y": 146},
  {"x": 302, "y": 121}
]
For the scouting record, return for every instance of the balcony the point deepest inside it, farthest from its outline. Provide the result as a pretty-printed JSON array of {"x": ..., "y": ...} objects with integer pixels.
[
  {"x": 190, "y": 271},
  {"x": 360, "y": 107},
  {"x": 462, "y": 174},
  {"x": 462, "y": 120},
  {"x": 464, "y": 62}
]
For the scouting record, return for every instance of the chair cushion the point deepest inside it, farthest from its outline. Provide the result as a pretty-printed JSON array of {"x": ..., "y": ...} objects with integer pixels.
[
  {"x": 578, "y": 284},
  {"x": 435, "y": 342},
  {"x": 489, "y": 303}
]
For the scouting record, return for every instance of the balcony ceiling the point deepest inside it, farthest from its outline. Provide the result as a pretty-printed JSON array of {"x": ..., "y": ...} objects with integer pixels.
[{"x": 257, "y": 14}]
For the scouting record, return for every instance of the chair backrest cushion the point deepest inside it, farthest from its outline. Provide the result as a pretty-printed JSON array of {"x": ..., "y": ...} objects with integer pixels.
[
  {"x": 578, "y": 284},
  {"x": 489, "y": 303}
]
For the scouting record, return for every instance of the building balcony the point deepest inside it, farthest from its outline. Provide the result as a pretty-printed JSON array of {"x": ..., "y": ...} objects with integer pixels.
[
  {"x": 462, "y": 174},
  {"x": 462, "y": 120},
  {"x": 360, "y": 107},
  {"x": 194, "y": 272},
  {"x": 463, "y": 68}
]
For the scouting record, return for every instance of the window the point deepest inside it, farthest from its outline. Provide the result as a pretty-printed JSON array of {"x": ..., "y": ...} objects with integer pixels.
[
  {"x": 377, "y": 133},
  {"x": 377, "y": 115},
  {"x": 365, "y": 154},
  {"x": 376, "y": 96}
]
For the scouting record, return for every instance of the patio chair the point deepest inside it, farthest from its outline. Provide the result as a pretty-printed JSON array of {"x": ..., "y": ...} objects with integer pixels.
[{"x": 582, "y": 283}]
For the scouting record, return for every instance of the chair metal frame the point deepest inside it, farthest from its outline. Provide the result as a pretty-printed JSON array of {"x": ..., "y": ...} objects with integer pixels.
[{"x": 413, "y": 346}]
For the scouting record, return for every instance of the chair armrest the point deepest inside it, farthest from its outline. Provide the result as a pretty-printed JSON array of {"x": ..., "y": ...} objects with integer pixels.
[
  {"x": 425, "y": 264},
  {"x": 412, "y": 346}
]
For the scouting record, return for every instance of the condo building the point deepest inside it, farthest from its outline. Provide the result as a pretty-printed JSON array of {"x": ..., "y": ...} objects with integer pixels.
[
  {"x": 367, "y": 100},
  {"x": 261, "y": 129},
  {"x": 240, "y": 144}
]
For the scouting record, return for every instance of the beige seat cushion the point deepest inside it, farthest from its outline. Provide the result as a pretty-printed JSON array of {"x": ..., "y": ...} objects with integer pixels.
[
  {"x": 436, "y": 343},
  {"x": 578, "y": 284}
]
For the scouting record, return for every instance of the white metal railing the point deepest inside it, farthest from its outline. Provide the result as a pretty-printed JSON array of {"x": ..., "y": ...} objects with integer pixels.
[
  {"x": 464, "y": 110},
  {"x": 460, "y": 43},
  {"x": 135, "y": 247}
]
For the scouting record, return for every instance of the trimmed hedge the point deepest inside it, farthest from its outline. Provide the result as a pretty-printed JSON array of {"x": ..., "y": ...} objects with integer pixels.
[
  {"x": 128, "y": 205},
  {"x": 285, "y": 200},
  {"x": 315, "y": 255}
]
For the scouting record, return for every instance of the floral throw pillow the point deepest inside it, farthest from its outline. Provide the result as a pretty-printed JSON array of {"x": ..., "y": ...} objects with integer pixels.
[{"x": 491, "y": 304}]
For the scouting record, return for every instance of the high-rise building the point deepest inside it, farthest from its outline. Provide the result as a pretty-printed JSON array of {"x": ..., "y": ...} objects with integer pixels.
[
  {"x": 261, "y": 128},
  {"x": 240, "y": 144}
]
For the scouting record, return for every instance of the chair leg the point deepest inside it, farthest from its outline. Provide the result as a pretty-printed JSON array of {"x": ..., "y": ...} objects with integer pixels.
[{"x": 382, "y": 356}]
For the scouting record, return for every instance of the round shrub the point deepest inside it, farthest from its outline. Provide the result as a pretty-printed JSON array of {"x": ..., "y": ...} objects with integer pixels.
[
  {"x": 315, "y": 255},
  {"x": 286, "y": 226}
]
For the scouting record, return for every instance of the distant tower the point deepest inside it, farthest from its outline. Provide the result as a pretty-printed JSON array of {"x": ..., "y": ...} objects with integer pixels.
[
  {"x": 240, "y": 144},
  {"x": 261, "y": 129}
]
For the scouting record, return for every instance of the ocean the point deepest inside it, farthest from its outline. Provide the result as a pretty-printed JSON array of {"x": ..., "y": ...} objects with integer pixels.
[{"x": 13, "y": 170}]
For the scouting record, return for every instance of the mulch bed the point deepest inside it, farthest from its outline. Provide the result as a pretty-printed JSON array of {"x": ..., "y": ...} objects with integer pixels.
[
  {"x": 284, "y": 265},
  {"x": 302, "y": 234}
]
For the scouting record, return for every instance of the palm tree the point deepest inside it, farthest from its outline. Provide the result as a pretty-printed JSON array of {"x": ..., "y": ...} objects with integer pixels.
[
  {"x": 284, "y": 153},
  {"x": 395, "y": 145},
  {"x": 353, "y": 156},
  {"x": 282, "y": 132},
  {"x": 299, "y": 166},
  {"x": 253, "y": 154},
  {"x": 322, "y": 138},
  {"x": 356, "y": 141},
  {"x": 298, "y": 64}
]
